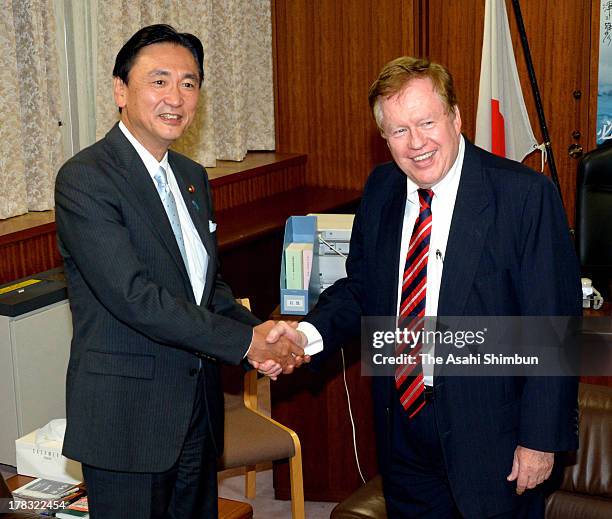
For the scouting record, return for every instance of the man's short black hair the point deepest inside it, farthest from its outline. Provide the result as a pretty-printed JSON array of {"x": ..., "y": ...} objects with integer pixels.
[{"x": 160, "y": 33}]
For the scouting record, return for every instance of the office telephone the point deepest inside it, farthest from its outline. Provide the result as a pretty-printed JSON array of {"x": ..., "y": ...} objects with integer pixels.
[{"x": 591, "y": 298}]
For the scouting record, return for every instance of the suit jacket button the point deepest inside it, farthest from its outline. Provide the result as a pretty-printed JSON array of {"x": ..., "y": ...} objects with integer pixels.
[{"x": 193, "y": 372}]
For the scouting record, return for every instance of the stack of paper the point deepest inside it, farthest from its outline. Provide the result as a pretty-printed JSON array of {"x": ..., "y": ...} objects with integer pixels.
[
  {"x": 298, "y": 265},
  {"x": 46, "y": 497},
  {"x": 79, "y": 508},
  {"x": 45, "y": 489}
]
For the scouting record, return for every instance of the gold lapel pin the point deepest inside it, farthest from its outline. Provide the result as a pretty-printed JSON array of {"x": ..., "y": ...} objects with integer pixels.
[{"x": 191, "y": 188}]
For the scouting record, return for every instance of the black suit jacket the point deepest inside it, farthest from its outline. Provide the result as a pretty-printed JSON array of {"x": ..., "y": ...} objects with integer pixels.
[
  {"x": 138, "y": 334},
  {"x": 508, "y": 253}
]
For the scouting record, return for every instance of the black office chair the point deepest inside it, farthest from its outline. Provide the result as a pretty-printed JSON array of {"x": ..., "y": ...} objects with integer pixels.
[{"x": 594, "y": 216}]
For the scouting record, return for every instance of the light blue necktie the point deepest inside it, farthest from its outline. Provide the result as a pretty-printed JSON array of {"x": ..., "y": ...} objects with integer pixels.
[{"x": 169, "y": 202}]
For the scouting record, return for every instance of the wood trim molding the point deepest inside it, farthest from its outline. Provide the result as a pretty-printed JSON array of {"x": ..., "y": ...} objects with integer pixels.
[
  {"x": 27, "y": 225},
  {"x": 28, "y": 243},
  {"x": 286, "y": 172},
  {"x": 421, "y": 33},
  {"x": 272, "y": 212}
]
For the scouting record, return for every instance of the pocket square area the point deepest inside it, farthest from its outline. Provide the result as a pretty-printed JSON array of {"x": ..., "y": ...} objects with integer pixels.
[{"x": 212, "y": 226}]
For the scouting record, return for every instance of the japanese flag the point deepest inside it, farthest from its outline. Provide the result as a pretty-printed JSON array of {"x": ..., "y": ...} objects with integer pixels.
[{"x": 502, "y": 123}]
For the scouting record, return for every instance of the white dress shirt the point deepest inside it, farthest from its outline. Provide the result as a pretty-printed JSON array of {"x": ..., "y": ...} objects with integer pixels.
[
  {"x": 197, "y": 257},
  {"x": 442, "y": 207}
]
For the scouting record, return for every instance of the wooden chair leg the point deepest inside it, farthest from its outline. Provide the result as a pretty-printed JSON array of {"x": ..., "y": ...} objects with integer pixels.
[
  {"x": 249, "y": 482},
  {"x": 297, "y": 485}
]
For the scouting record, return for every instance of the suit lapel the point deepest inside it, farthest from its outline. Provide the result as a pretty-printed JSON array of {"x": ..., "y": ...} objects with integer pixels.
[
  {"x": 144, "y": 196},
  {"x": 389, "y": 243},
  {"x": 388, "y": 248},
  {"x": 199, "y": 214},
  {"x": 466, "y": 237}
]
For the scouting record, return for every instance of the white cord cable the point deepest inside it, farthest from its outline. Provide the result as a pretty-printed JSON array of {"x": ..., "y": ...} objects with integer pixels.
[
  {"x": 346, "y": 389},
  {"x": 348, "y": 398}
]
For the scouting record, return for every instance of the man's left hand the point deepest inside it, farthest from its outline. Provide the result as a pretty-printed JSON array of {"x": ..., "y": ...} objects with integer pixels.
[{"x": 530, "y": 468}]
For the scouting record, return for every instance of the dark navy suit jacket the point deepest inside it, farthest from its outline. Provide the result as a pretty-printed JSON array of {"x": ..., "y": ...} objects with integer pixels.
[
  {"x": 509, "y": 253},
  {"x": 138, "y": 334}
]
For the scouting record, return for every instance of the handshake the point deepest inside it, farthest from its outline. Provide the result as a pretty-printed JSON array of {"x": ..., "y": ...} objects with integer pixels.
[{"x": 277, "y": 347}]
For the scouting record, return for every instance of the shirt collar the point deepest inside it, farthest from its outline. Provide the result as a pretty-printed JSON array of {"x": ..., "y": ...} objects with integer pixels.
[
  {"x": 448, "y": 181},
  {"x": 145, "y": 155}
]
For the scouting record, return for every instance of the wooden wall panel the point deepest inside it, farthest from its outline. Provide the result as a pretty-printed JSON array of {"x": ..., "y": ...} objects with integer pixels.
[
  {"x": 25, "y": 255},
  {"x": 327, "y": 53},
  {"x": 28, "y": 242},
  {"x": 559, "y": 33},
  {"x": 454, "y": 39},
  {"x": 230, "y": 192},
  {"x": 560, "y": 39}
]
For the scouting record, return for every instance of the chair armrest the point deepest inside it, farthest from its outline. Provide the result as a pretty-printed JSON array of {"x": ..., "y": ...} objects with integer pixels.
[
  {"x": 250, "y": 378},
  {"x": 250, "y": 390}
]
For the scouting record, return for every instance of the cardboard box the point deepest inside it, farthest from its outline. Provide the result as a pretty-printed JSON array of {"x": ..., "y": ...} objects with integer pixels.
[
  {"x": 299, "y": 229},
  {"x": 45, "y": 460}
]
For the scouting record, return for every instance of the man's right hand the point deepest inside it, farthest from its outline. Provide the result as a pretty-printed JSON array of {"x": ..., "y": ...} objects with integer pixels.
[
  {"x": 288, "y": 330},
  {"x": 282, "y": 351}
]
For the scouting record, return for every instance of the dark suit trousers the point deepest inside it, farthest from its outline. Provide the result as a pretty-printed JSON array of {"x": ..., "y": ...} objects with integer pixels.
[
  {"x": 187, "y": 491},
  {"x": 417, "y": 484}
]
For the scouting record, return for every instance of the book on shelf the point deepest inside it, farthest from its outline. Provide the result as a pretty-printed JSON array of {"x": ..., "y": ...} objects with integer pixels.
[
  {"x": 294, "y": 269},
  {"x": 79, "y": 508},
  {"x": 298, "y": 265},
  {"x": 47, "y": 507},
  {"x": 45, "y": 489},
  {"x": 307, "y": 252}
]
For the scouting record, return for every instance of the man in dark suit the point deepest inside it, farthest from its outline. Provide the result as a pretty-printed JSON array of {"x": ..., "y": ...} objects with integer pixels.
[
  {"x": 152, "y": 318},
  {"x": 447, "y": 229}
]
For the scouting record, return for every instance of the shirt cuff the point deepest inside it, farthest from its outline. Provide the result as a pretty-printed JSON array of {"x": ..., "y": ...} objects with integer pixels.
[
  {"x": 249, "y": 347},
  {"x": 315, "y": 341}
]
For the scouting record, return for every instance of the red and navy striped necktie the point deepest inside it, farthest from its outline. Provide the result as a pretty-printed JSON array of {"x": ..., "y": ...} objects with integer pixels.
[{"x": 409, "y": 377}]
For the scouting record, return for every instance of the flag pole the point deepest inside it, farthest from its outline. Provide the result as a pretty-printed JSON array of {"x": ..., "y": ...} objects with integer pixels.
[{"x": 536, "y": 94}]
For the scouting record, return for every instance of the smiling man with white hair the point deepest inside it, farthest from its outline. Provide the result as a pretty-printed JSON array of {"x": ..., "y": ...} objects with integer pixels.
[{"x": 448, "y": 229}]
